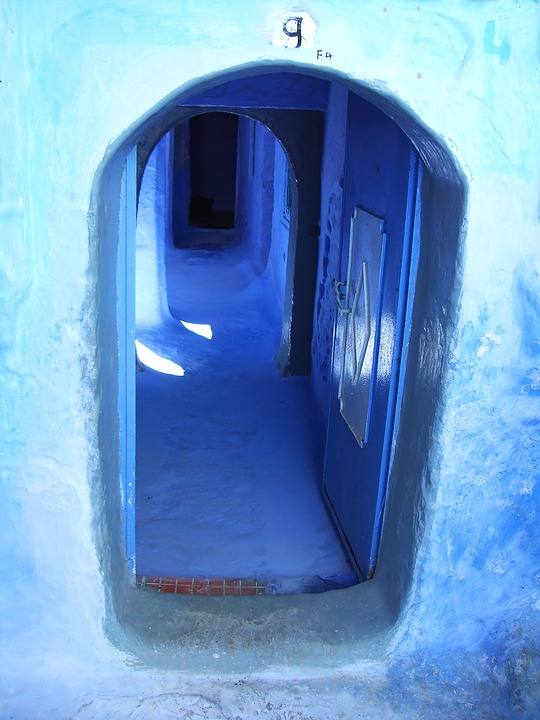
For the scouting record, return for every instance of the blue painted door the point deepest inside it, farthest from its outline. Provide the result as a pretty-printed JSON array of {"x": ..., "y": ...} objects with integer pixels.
[{"x": 381, "y": 177}]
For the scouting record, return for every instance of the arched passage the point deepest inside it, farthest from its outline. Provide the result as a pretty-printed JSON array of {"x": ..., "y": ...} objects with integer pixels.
[
  {"x": 227, "y": 449},
  {"x": 300, "y": 133},
  {"x": 427, "y": 313}
]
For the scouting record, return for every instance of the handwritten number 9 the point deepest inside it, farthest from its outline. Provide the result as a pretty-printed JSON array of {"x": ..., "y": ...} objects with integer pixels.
[{"x": 297, "y": 32}]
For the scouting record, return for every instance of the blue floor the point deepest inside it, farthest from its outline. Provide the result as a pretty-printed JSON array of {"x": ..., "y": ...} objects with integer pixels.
[{"x": 228, "y": 456}]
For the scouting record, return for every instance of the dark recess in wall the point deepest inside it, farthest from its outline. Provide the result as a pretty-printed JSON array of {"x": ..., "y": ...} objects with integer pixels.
[{"x": 213, "y": 151}]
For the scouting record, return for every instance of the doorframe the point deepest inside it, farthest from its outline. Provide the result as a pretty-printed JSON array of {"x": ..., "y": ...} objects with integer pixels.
[
  {"x": 411, "y": 242},
  {"x": 127, "y": 365}
]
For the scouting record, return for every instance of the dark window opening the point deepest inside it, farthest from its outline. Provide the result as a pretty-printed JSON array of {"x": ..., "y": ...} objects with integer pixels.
[{"x": 213, "y": 155}]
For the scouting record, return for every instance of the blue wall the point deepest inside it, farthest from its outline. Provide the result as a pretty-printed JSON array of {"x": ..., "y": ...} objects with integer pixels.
[
  {"x": 154, "y": 232},
  {"x": 80, "y": 82},
  {"x": 281, "y": 225},
  {"x": 181, "y": 183},
  {"x": 332, "y": 177},
  {"x": 255, "y": 191},
  {"x": 276, "y": 90}
]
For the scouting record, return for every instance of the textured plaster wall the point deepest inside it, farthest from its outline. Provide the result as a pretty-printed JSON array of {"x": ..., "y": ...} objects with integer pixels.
[
  {"x": 332, "y": 179},
  {"x": 153, "y": 231},
  {"x": 276, "y": 91},
  {"x": 75, "y": 77},
  {"x": 277, "y": 259},
  {"x": 255, "y": 192}
]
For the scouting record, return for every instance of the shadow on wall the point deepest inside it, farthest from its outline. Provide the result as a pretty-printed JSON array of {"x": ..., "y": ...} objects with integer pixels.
[{"x": 353, "y": 620}]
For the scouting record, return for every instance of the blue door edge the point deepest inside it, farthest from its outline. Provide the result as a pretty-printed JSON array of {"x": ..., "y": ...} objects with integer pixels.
[
  {"x": 407, "y": 283},
  {"x": 350, "y": 553}
]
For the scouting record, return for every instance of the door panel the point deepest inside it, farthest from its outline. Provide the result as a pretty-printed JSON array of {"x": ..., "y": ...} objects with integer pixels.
[
  {"x": 378, "y": 196},
  {"x": 361, "y": 316}
]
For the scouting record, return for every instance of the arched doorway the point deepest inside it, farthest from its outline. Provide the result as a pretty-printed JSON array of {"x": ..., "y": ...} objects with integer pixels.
[
  {"x": 382, "y": 208},
  {"x": 227, "y": 448}
]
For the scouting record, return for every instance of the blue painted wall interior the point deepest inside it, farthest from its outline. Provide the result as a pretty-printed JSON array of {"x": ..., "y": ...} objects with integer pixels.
[{"x": 448, "y": 626}]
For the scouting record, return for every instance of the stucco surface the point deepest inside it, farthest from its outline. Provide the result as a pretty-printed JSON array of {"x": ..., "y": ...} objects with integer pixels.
[{"x": 75, "y": 77}]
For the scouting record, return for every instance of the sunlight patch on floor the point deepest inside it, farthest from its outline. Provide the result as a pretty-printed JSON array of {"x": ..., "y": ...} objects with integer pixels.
[
  {"x": 156, "y": 362},
  {"x": 198, "y": 328}
]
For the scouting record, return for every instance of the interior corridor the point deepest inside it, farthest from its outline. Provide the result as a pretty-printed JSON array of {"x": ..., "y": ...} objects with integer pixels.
[{"x": 229, "y": 454}]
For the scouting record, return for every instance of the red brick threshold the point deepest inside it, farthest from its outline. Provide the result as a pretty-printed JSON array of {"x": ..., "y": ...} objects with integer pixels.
[
  {"x": 245, "y": 586},
  {"x": 202, "y": 586}
]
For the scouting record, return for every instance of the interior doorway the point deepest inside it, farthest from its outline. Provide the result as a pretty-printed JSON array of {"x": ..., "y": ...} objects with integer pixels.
[
  {"x": 228, "y": 450},
  {"x": 263, "y": 441}
]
